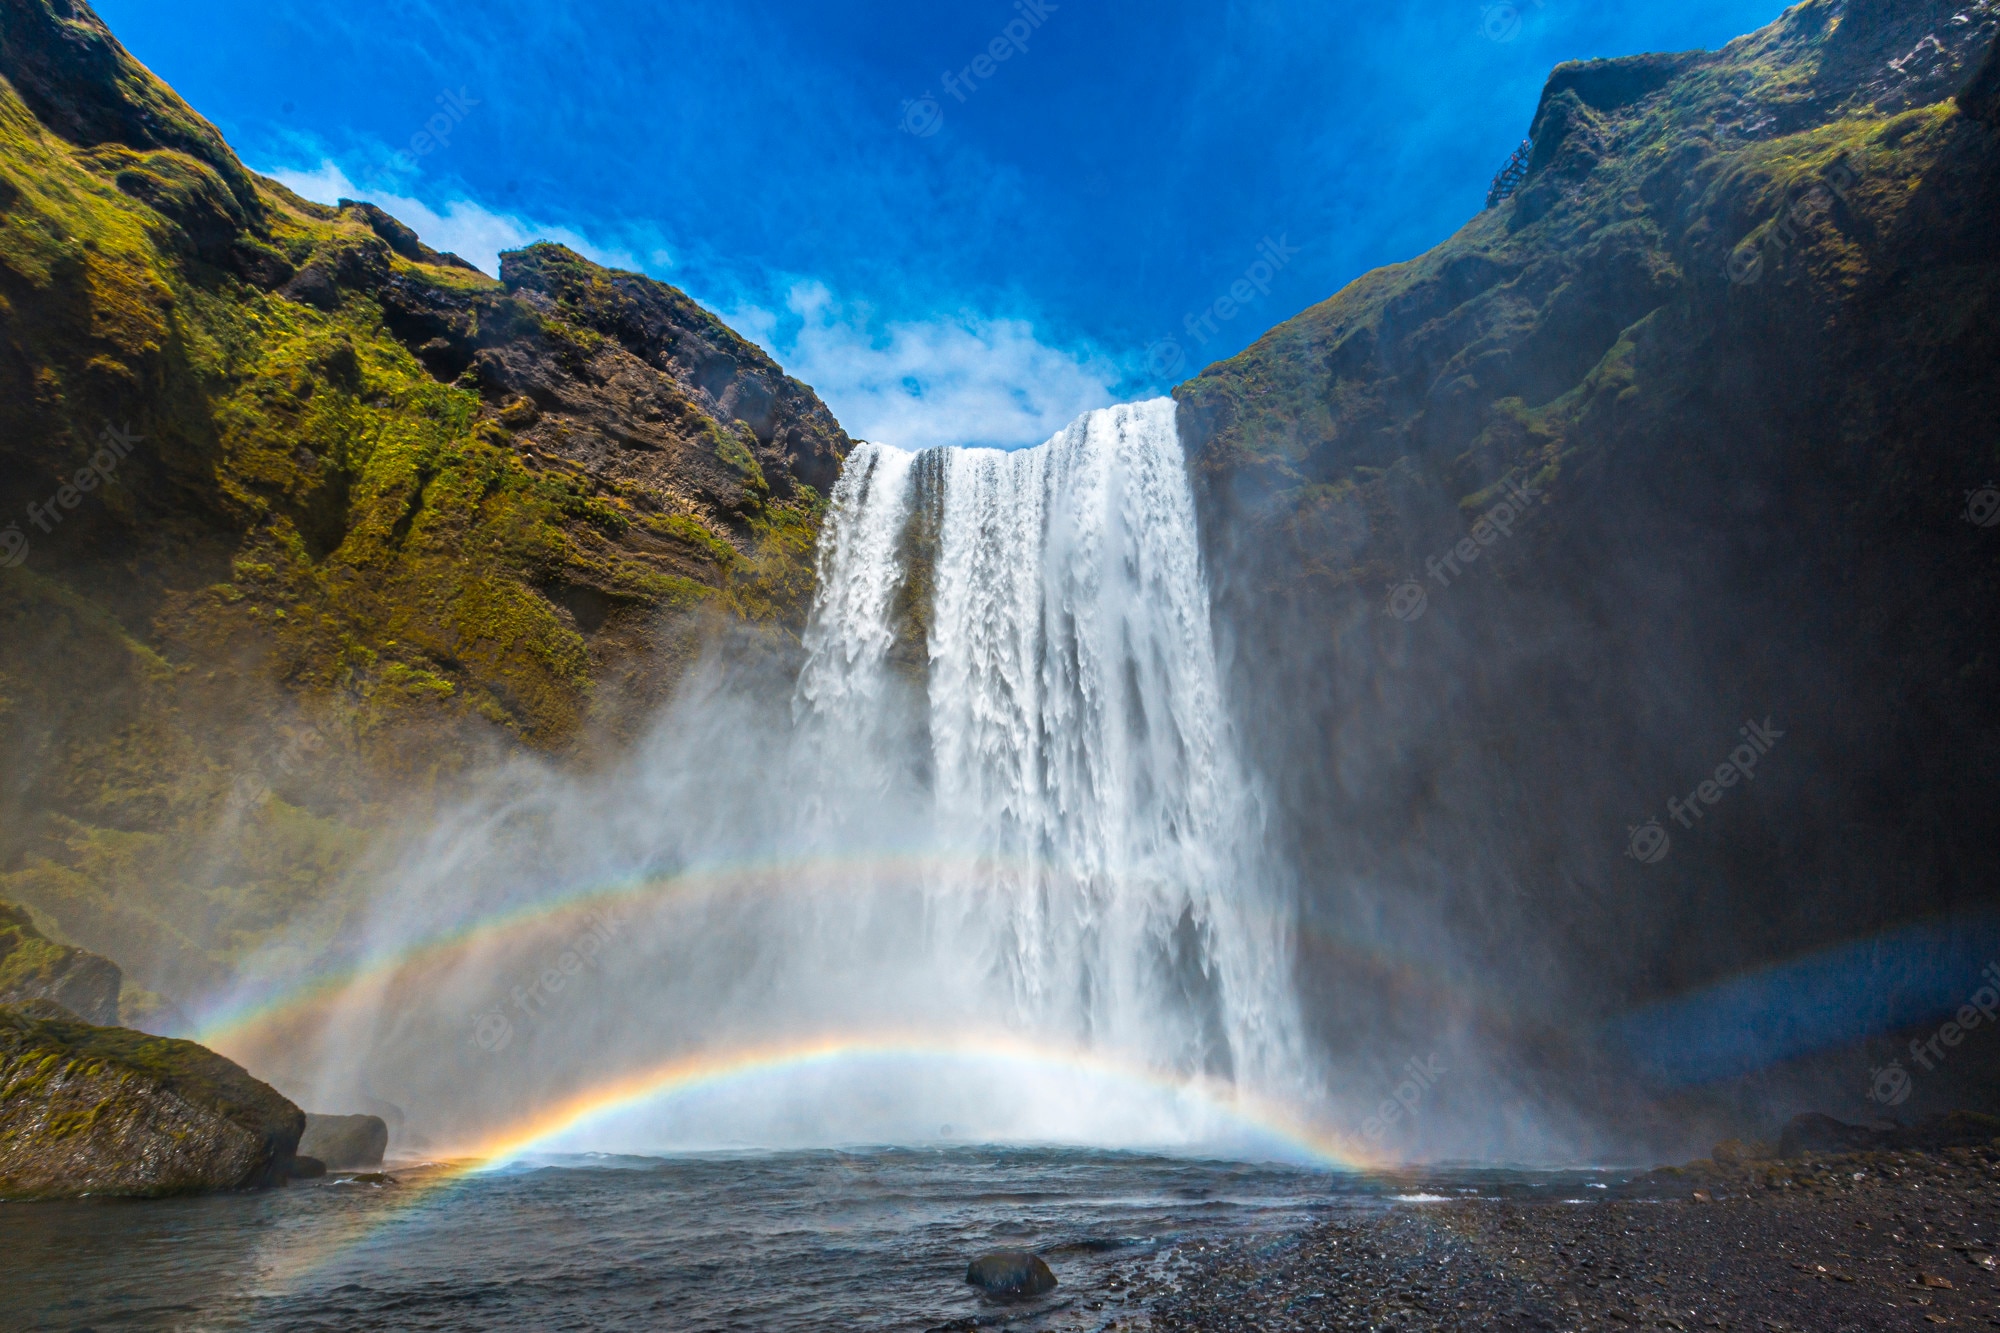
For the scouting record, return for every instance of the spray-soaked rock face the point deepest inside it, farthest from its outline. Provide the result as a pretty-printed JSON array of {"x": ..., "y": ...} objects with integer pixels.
[
  {"x": 87, "y": 1110},
  {"x": 1735, "y": 331}
]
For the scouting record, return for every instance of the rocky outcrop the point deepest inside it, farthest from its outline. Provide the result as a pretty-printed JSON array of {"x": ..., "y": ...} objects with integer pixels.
[
  {"x": 1822, "y": 1134},
  {"x": 1512, "y": 541},
  {"x": 355, "y": 518},
  {"x": 88, "y": 1110},
  {"x": 32, "y": 967},
  {"x": 345, "y": 1142}
]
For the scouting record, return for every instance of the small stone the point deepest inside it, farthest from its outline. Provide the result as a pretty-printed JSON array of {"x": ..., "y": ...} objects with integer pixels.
[{"x": 1010, "y": 1273}]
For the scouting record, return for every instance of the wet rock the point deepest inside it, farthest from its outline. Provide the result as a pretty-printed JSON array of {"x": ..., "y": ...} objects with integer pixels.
[
  {"x": 108, "y": 1111},
  {"x": 345, "y": 1142},
  {"x": 1011, "y": 1273},
  {"x": 307, "y": 1168}
]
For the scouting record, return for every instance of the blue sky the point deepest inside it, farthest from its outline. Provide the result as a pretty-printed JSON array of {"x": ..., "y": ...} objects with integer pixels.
[{"x": 971, "y": 259}]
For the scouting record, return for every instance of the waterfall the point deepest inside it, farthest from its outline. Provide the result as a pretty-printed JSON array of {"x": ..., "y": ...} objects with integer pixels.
[
  {"x": 1108, "y": 885},
  {"x": 991, "y": 866}
]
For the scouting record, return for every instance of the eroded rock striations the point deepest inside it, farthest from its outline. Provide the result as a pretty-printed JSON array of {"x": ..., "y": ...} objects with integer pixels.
[{"x": 89, "y": 1110}]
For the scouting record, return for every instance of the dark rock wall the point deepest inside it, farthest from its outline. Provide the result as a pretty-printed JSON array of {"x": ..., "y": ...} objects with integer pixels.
[{"x": 1736, "y": 336}]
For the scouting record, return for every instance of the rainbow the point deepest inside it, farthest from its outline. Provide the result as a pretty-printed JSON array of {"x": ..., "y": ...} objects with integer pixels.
[
  {"x": 695, "y": 1072},
  {"x": 233, "y": 1022}
]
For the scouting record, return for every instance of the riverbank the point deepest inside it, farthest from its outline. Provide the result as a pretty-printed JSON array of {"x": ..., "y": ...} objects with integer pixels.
[{"x": 1875, "y": 1241}]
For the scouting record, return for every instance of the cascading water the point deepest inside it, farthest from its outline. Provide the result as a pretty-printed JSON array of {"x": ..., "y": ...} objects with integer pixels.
[
  {"x": 1112, "y": 889},
  {"x": 993, "y": 868}
]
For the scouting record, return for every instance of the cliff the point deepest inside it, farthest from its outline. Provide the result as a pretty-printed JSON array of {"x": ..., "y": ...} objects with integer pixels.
[
  {"x": 33, "y": 967},
  {"x": 301, "y": 520},
  {"x": 1513, "y": 541}
]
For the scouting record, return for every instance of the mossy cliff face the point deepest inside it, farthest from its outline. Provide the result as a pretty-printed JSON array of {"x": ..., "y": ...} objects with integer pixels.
[
  {"x": 107, "y": 1111},
  {"x": 33, "y": 967},
  {"x": 1511, "y": 540},
  {"x": 296, "y": 512}
]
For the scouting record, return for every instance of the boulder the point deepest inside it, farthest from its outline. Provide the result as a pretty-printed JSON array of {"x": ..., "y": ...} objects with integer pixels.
[
  {"x": 345, "y": 1142},
  {"x": 1011, "y": 1273},
  {"x": 107, "y": 1111},
  {"x": 34, "y": 967}
]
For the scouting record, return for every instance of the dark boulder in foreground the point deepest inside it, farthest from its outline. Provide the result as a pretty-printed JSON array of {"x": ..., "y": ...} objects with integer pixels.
[
  {"x": 108, "y": 1111},
  {"x": 1814, "y": 1133},
  {"x": 1011, "y": 1273},
  {"x": 345, "y": 1142}
]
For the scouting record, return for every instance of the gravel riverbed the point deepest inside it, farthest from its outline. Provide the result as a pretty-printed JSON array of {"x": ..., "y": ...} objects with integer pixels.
[{"x": 1871, "y": 1241}]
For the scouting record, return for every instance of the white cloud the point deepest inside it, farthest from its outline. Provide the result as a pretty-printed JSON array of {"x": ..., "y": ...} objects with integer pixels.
[
  {"x": 964, "y": 379},
  {"x": 469, "y": 230}
]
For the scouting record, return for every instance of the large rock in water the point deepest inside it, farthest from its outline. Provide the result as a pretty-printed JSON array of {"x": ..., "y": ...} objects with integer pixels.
[
  {"x": 345, "y": 1142},
  {"x": 1011, "y": 1273},
  {"x": 108, "y": 1111},
  {"x": 33, "y": 967}
]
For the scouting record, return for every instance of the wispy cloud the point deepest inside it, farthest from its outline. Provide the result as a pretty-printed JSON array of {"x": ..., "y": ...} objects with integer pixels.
[
  {"x": 963, "y": 379},
  {"x": 958, "y": 379},
  {"x": 461, "y": 225}
]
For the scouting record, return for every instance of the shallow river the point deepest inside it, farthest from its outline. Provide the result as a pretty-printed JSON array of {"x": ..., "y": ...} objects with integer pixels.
[{"x": 791, "y": 1241}]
